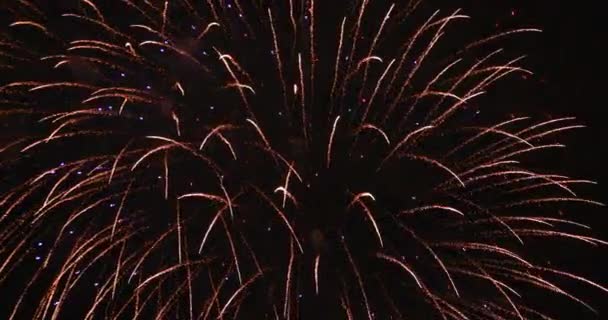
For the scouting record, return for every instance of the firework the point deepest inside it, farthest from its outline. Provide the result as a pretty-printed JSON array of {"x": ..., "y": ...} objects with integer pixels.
[{"x": 292, "y": 159}]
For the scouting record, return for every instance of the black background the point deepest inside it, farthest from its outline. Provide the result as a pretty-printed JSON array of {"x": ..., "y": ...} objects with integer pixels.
[
  {"x": 569, "y": 63},
  {"x": 568, "y": 59}
]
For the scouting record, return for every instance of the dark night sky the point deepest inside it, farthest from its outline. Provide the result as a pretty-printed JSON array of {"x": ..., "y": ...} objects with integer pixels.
[
  {"x": 569, "y": 65},
  {"x": 569, "y": 81}
]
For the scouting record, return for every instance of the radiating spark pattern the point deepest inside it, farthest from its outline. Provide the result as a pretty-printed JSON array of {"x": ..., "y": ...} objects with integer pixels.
[{"x": 301, "y": 159}]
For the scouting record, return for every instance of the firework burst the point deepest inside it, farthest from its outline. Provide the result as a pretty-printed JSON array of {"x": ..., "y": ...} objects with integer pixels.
[{"x": 227, "y": 159}]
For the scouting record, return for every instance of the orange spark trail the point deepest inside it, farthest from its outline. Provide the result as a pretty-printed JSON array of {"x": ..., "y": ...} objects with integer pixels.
[
  {"x": 213, "y": 132},
  {"x": 284, "y": 189},
  {"x": 165, "y": 17},
  {"x": 224, "y": 58},
  {"x": 302, "y": 99},
  {"x": 232, "y": 249},
  {"x": 216, "y": 290},
  {"x": 338, "y": 55},
  {"x": 292, "y": 18},
  {"x": 373, "y": 46},
  {"x": 316, "y": 272},
  {"x": 209, "y": 26},
  {"x": 359, "y": 280},
  {"x": 237, "y": 292},
  {"x": 438, "y": 164},
  {"x": 33, "y": 24},
  {"x": 122, "y": 106},
  {"x": 99, "y": 23},
  {"x": 257, "y": 128},
  {"x": 402, "y": 265},
  {"x": 97, "y": 12},
  {"x": 411, "y": 43},
  {"x": 282, "y": 216},
  {"x": 288, "y": 280},
  {"x": 149, "y": 153},
  {"x": 435, "y": 256},
  {"x": 122, "y": 202},
  {"x": 479, "y": 135},
  {"x": 331, "y": 139},
  {"x": 278, "y": 56},
  {"x": 432, "y": 207},
  {"x": 228, "y": 201},
  {"x": 403, "y": 142},
  {"x": 378, "y": 84},
  {"x": 118, "y": 265},
  {"x": 356, "y": 34},
  {"x": 500, "y": 35},
  {"x": 227, "y": 143},
  {"x": 166, "y": 170},
  {"x": 357, "y": 199},
  {"x": 375, "y": 128},
  {"x": 313, "y": 57},
  {"x": 176, "y": 120},
  {"x": 217, "y": 215}
]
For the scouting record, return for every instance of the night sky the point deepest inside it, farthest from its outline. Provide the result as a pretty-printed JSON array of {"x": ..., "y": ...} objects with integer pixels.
[
  {"x": 568, "y": 80},
  {"x": 569, "y": 62}
]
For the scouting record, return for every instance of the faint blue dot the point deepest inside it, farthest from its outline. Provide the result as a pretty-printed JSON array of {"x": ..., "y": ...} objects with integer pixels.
[
  {"x": 38, "y": 258},
  {"x": 40, "y": 244},
  {"x": 148, "y": 87},
  {"x": 166, "y": 41},
  {"x": 162, "y": 49},
  {"x": 110, "y": 107},
  {"x": 79, "y": 172},
  {"x": 122, "y": 74},
  {"x": 193, "y": 27},
  {"x": 77, "y": 272},
  {"x": 229, "y": 6},
  {"x": 99, "y": 109},
  {"x": 71, "y": 231},
  {"x": 62, "y": 164},
  {"x": 141, "y": 118},
  {"x": 205, "y": 53},
  {"x": 112, "y": 205},
  {"x": 96, "y": 284}
]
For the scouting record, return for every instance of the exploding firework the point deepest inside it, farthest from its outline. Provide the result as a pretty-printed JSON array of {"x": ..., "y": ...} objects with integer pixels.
[{"x": 292, "y": 159}]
